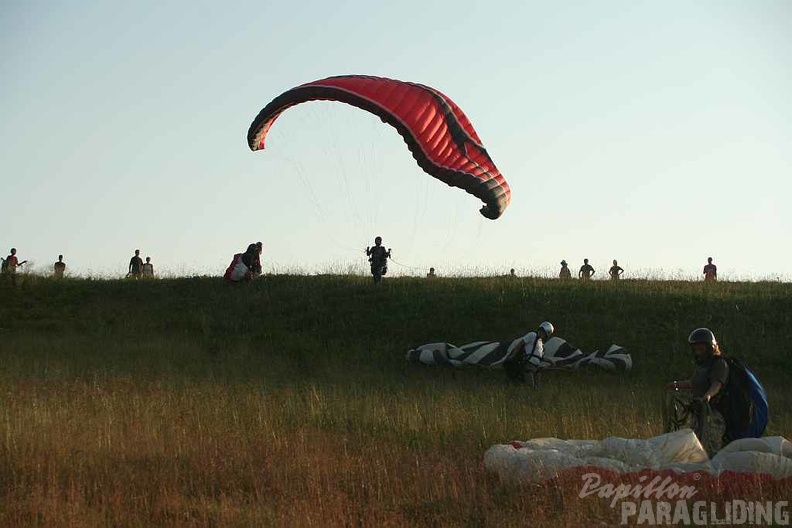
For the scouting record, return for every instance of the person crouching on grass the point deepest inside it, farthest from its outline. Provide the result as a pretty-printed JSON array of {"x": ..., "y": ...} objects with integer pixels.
[
  {"x": 243, "y": 265},
  {"x": 526, "y": 355}
]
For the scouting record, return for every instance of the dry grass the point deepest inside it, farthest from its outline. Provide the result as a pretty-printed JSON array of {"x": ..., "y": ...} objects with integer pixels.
[
  {"x": 116, "y": 451},
  {"x": 281, "y": 414}
]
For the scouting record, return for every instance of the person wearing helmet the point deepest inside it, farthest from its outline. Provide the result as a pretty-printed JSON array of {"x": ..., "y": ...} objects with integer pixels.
[
  {"x": 526, "y": 353},
  {"x": 704, "y": 387},
  {"x": 712, "y": 371},
  {"x": 378, "y": 258}
]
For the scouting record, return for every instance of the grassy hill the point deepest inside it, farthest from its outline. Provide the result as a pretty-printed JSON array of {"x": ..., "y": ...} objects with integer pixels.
[{"x": 289, "y": 401}]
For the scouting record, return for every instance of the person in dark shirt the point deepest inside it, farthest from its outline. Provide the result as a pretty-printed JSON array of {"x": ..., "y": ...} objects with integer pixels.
[
  {"x": 710, "y": 271},
  {"x": 586, "y": 271},
  {"x": 135, "y": 265},
  {"x": 59, "y": 268},
  {"x": 378, "y": 258},
  {"x": 704, "y": 387}
]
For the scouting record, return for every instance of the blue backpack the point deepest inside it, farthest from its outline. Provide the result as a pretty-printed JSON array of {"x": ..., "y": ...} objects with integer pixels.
[{"x": 743, "y": 402}]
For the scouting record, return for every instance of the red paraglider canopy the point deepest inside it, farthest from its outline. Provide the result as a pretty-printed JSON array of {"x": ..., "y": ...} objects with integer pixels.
[{"x": 437, "y": 132}]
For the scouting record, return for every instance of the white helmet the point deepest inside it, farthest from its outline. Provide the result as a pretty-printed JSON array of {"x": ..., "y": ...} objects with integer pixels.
[{"x": 547, "y": 326}]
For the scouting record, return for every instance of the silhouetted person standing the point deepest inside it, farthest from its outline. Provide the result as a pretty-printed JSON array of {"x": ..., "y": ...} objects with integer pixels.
[
  {"x": 710, "y": 271},
  {"x": 615, "y": 271},
  {"x": 59, "y": 268},
  {"x": 10, "y": 265},
  {"x": 378, "y": 258},
  {"x": 565, "y": 273},
  {"x": 586, "y": 271},
  {"x": 135, "y": 265},
  {"x": 147, "y": 270}
]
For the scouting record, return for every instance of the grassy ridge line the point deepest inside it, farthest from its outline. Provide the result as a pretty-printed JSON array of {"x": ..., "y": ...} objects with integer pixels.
[
  {"x": 288, "y": 401},
  {"x": 306, "y": 315}
]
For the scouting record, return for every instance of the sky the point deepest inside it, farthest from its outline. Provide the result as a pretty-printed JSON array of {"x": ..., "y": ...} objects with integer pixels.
[{"x": 654, "y": 133}]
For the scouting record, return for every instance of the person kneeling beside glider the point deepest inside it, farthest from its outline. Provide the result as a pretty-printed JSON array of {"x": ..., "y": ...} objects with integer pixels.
[{"x": 526, "y": 355}]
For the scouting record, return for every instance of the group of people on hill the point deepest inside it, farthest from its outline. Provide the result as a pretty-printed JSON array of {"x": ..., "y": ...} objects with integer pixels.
[
  {"x": 615, "y": 272},
  {"x": 139, "y": 269},
  {"x": 10, "y": 264},
  {"x": 247, "y": 265},
  {"x": 586, "y": 271}
]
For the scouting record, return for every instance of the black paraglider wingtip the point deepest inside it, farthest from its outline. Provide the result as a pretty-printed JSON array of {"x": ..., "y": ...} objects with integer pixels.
[{"x": 493, "y": 213}]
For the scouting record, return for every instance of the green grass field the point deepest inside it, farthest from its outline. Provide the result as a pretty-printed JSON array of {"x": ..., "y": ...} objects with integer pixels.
[{"x": 288, "y": 401}]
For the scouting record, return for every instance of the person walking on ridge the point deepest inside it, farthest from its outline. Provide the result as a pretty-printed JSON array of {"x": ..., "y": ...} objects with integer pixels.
[
  {"x": 135, "y": 265},
  {"x": 378, "y": 258}
]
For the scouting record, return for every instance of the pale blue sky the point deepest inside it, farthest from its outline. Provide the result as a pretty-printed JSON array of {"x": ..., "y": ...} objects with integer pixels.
[{"x": 655, "y": 133}]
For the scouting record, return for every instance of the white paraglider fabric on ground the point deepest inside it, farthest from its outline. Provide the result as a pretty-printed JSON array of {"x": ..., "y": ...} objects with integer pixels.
[
  {"x": 240, "y": 271},
  {"x": 557, "y": 354},
  {"x": 544, "y": 458}
]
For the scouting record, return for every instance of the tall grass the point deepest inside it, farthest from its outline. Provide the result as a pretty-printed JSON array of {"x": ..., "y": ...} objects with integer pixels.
[{"x": 288, "y": 401}]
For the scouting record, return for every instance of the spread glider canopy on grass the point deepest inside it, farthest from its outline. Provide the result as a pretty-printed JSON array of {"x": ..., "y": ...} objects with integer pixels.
[{"x": 437, "y": 132}]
